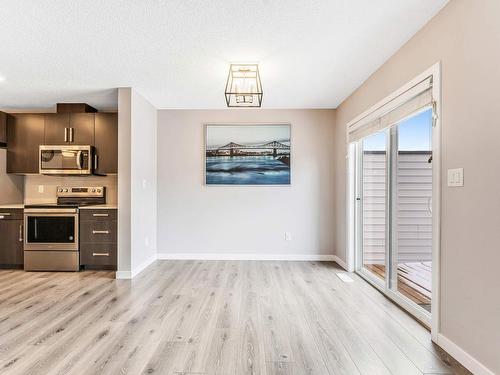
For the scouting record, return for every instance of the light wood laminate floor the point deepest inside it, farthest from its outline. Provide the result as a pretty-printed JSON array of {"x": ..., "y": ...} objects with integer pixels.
[{"x": 209, "y": 317}]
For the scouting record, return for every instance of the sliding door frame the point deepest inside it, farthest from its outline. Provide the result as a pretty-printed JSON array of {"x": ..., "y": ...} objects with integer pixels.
[{"x": 352, "y": 207}]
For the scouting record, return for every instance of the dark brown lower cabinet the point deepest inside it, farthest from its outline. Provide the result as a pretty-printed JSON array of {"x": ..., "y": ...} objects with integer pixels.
[
  {"x": 11, "y": 238},
  {"x": 98, "y": 238}
]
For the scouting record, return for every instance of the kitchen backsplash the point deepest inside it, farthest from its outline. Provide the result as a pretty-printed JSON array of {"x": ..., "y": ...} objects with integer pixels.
[{"x": 42, "y": 189}]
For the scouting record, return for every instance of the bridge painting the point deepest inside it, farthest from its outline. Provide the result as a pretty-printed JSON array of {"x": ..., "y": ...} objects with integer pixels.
[{"x": 247, "y": 154}]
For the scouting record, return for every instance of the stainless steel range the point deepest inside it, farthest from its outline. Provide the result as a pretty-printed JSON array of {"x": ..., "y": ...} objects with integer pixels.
[{"x": 51, "y": 230}]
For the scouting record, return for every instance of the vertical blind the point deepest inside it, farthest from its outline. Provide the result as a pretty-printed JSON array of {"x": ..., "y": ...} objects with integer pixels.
[{"x": 399, "y": 108}]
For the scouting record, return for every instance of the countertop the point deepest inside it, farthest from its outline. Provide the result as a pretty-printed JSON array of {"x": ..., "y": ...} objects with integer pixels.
[
  {"x": 11, "y": 206},
  {"x": 94, "y": 207},
  {"x": 100, "y": 207}
]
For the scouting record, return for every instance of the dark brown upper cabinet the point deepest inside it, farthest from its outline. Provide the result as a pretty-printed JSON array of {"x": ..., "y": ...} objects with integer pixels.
[
  {"x": 74, "y": 108},
  {"x": 56, "y": 128},
  {"x": 3, "y": 128},
  {"x": 25, "y": 133},
  {"x": 81, "y": 128},
  {"x": 69, "y": 128},
  {"x": 106, "y": 143}
]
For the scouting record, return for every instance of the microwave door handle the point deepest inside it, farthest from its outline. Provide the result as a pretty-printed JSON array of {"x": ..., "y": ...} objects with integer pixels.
[{"x": 79, "y": 159}]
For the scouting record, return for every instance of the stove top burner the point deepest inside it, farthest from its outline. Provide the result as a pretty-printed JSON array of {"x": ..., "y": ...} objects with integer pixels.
[
  {"x": 74, "y": 197},
  {"x": 62, "y": 205}
]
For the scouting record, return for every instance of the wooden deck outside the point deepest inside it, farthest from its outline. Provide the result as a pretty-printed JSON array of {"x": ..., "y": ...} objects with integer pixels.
[{"x": 414, "y": 281}]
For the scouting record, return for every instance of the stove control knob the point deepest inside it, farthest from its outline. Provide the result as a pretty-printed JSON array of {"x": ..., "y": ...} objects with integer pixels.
[
  {"x": 98, "y": 190},
  {"x": 65, "y": 190},
  {"x": 93, "y": 190},
  {"x": 60, "y": 190}
]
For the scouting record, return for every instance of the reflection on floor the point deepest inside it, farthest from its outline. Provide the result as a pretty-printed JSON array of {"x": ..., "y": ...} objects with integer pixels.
[{"x": 414, "y": 281}]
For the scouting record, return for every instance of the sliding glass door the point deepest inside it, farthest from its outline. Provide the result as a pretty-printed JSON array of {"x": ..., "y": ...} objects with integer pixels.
[
  {"x": 374, "y": 203},
  {"x": 412, "y": 212},
  {"x": 393, "y": 195}
]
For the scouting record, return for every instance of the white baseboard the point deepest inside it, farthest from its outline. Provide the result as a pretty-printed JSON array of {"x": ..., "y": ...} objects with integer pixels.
[
  {"x": 340, "y": 262},
  {"x": 471, "y": 363},
  {"x": 123, "y": 275},
  {"x": 137, "y": 270},
  {"x": 245, "y": 256}
]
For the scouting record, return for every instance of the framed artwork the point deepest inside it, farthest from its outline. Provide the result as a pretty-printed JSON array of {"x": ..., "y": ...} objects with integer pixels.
[{"x": 247, "y": 154}]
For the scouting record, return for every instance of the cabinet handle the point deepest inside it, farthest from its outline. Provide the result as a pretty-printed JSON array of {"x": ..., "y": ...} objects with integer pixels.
[
  {"x": 100, "y": 254},
  {"x": 71, "y": 138},
  {"x": 20, "y": 232},
  {"x": 100, "y": 215},
  {"x": 66, "y": 134},
  {"x": 95, "y": 162},
  {"x": 100, "y": 232},
  {"x": 3, "y": 214}
]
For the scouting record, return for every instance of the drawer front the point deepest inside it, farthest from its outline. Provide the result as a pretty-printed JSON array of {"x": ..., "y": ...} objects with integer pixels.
[
  {"x": 98, "y": 254},
  {"x": 11, "y": 214},
  {"x": 98, "y": 215},
  {"x": 98, "y": 231}
]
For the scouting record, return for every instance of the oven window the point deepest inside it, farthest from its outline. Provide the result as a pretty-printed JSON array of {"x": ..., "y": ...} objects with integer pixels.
[{"x": 51, "y": 229}]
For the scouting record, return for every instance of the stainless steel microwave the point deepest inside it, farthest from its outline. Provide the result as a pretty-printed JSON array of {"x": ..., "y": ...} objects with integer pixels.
[{"x": 66, "y": 160}]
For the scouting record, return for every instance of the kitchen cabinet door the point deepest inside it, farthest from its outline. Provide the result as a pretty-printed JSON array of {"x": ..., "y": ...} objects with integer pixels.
[
  {"x": 25, "y": 133},
  {"x": 106, "y": 143},
  {"x": 11, "y": 242},
  {"x": 81, "y": 129},
  {"x": 56, "y": 128}
]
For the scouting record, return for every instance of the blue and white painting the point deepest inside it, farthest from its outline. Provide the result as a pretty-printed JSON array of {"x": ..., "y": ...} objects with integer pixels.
[{"x": 247, "y": 154}]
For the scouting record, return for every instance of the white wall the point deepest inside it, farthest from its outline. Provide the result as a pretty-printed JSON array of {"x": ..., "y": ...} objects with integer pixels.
[
  {"x": 143, "y": 182},
  {"x": 137, "y": 121},
  {"x": 465, "y": 37},
  {"x": 195, "y": 220},
  {"x": 124, "y": 182},
  {"x": 11, "y": 185}
]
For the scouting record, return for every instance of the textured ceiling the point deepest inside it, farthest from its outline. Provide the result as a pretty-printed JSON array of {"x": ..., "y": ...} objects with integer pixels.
[{"x": 312, "y": 53}]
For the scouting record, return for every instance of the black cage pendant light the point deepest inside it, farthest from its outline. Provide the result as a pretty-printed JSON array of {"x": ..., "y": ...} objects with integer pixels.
[{"x": 243, "y": 87}]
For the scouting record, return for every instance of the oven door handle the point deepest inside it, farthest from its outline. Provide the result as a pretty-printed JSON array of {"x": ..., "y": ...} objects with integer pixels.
[{"x": 79, "y": 159}]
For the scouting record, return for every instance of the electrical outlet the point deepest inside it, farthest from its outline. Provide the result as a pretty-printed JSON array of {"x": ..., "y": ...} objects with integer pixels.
[
  {"x": 40, "y": 189},
  {"x": 288, "y": 236}
]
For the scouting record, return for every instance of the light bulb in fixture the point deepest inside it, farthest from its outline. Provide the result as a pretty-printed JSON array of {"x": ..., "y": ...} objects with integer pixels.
[{"x": 243, "y": 86}]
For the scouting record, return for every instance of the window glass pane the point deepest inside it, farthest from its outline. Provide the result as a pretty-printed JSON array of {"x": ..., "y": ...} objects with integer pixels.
[
  {"x": 413, "y": 203},
  {"x": 373, "y": 203}
]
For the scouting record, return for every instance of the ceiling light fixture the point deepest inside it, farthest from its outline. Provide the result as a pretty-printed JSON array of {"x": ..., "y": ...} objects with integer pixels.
[
  {"x": 2, "y": 79},
  {"x": 243, "y": 87}
]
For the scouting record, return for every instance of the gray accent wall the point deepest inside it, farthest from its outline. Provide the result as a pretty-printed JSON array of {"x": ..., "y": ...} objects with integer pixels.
[{"x": 195, "y": 220}]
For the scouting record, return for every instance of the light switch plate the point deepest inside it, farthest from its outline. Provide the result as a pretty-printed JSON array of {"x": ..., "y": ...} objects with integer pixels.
[
  {"x": 456, "y": 177},
  {"x": 40, "y": 189}
]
